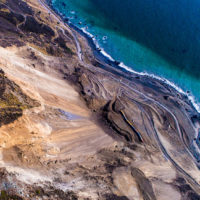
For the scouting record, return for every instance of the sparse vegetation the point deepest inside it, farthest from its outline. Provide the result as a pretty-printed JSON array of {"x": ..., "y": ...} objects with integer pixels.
[
  {"x": 37, "y": 192},
  {"x": 42, "y": 50},
  {"x": 10, "y": 100},
  {"x": 5, "y": 196},
  {"x": 5, "y": 10}
]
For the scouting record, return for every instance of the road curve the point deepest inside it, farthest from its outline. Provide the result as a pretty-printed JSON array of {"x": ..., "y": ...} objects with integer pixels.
[{"x": 80, "y": 56}]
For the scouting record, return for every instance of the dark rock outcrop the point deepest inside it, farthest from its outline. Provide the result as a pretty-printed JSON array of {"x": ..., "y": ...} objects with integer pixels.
[
  {"x": 12, "y": 100},
  {"x": 32, "y": 25}
]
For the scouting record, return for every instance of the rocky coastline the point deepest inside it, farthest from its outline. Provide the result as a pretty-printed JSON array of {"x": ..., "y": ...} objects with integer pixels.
[{"x": 130, "y": 137}]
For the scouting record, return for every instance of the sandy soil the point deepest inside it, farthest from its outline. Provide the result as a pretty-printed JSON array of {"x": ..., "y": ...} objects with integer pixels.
[
  {"x": 61, "y": 128},
  {"x": 62, "y": 148}
]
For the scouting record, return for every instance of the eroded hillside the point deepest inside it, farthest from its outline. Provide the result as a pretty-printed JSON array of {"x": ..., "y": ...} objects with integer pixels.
[{"x": 71, "y": 129}]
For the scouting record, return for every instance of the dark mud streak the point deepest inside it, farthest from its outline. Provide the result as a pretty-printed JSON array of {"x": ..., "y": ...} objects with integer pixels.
[
  {"x": 144, "y": 185},
  {"x": 132, "y": 127}
]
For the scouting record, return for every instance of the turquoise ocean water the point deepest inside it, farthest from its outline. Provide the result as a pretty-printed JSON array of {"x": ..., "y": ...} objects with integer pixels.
[{"x": 152, "y": 36}]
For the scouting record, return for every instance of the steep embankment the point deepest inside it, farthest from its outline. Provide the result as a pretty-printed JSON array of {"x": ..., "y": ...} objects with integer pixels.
[{"x": 71, "y": 129}]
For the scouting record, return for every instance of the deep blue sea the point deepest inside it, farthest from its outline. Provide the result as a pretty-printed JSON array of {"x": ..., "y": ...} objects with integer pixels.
[{"x": 160, "y": 37}]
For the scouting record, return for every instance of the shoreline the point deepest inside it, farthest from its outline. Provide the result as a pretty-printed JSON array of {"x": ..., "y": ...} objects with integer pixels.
[
  {"x": 101, "y": 55},
  {"x": 88, "y": 122},
  {"x": 145, "y": 81},
  {"x": 108, "y": 64}
]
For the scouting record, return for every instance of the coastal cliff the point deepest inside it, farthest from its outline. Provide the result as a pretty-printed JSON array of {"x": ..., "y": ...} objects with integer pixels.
[{"x": 74, "y": 127}]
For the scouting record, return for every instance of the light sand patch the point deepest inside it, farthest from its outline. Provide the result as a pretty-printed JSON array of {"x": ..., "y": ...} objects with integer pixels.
[
  {"x": 164, "y": 191},
  {"x": 25, "y": 175},
  {"x": 162, "y": 170},
  {"x": 182, "y": 159},
  {"x": 42, "y": 134},
  {"x": 125, "y": 183},
  {"x": 47, "y": 88}
]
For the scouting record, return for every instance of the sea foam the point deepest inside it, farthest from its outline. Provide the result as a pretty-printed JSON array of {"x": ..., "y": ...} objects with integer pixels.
[
  {"x": 85, "y": 31},
  {"x": 122, "y": 65}
]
